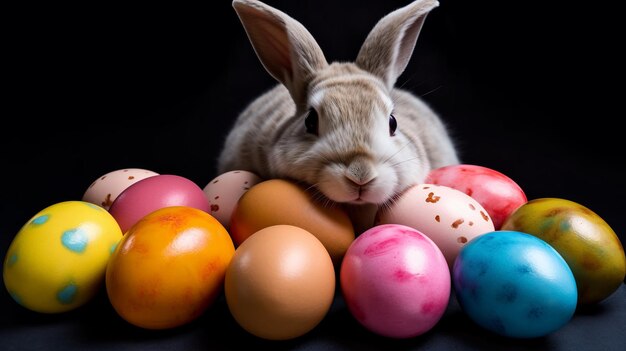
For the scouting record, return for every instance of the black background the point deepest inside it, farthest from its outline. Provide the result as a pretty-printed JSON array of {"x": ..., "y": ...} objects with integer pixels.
[{"x": 525, "y": 88}]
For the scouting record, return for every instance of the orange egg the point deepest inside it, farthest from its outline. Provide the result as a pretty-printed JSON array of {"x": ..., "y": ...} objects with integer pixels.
[
  {"x": 280, "y": 283},
  {"x": 169, "y": 267},
  {"x": 278, "y": 201}
]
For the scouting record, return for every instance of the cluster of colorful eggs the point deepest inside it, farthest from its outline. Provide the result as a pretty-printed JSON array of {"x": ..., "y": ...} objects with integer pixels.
[{"x": 164, "y": 249}]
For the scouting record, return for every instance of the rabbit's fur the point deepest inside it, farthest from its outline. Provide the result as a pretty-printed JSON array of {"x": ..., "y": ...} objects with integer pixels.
[{"x": 350, "y": 156}]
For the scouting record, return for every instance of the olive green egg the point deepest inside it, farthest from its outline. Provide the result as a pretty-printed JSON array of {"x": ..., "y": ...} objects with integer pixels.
[{"x": 587, "y": 243}]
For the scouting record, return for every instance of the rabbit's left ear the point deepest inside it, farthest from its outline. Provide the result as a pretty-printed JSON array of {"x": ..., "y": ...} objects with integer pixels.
[{"x": 389, "y": 46}]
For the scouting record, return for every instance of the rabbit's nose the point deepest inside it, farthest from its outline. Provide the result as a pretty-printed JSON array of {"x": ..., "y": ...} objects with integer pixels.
[
  {"x": 359, "y": 181},
  {"x": 360, "y": 173}
]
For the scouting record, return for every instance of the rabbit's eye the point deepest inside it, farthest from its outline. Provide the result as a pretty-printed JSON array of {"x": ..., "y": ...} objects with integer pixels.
[
  {"x": 393, "y": 124},
  {"x": 310, "y": 122}
]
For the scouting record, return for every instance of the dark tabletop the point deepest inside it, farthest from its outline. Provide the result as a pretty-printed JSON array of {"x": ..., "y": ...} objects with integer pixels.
[{"x": 525, "y": 88}]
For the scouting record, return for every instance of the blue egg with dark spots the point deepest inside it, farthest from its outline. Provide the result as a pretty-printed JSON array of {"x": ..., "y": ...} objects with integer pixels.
[{"x": 514, "y": 284}]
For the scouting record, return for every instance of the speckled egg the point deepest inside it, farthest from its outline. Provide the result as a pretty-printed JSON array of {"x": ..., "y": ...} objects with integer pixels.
[
  {"x": 225, "y": 190},
  {"x": 514, "y": 284},
  {"x": 586, "y": 242},
  {"x": 104, "y": 190},
  {"x": 496, "y": 192},
  {"x": 57, "y": 260},
  {"x": 395, "y": 281},
  {"x": 447, "y": 216}
]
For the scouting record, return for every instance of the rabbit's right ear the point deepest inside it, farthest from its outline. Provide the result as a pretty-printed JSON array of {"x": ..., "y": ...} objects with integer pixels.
[
  {"x": 389, "y": 46},
  {"x": 286, "y": 49}
]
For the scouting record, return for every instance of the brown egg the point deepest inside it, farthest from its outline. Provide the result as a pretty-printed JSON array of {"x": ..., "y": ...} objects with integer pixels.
[
  {"x": 280, "y": 283},
  {"x": 278, "y": 201}
]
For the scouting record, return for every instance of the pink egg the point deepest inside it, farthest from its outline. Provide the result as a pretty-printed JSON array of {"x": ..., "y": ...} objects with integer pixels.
[
  {"x": 224, "y": 191},
  {"x": 153, "y": 193},
  {"x": 496, "y": 192},
  {"x": 449, "y": 217},
  {"x": 104, "y": 190},
  {"x": 395, "y": 281}
]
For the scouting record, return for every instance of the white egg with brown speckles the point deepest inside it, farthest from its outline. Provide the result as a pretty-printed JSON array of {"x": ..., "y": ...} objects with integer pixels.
[
  {"x": 104, "y": 190},
  {"x": 449, "y": 217},
  {"x": 225, "y": 190}
]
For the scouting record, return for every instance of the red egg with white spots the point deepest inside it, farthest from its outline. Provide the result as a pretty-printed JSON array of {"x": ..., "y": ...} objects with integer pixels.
[{"x": 496, "y": 192}]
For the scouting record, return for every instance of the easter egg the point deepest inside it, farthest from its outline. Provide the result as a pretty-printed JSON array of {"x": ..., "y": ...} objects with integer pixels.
[
  {"x": 168, "y": 268},
  {"x": 57, "y": 260},
  {"x": 280, "y": 283},
  {"x": 153, "y": 193},
  {"x": 395, "y": 281},
  {"x": 447, "y": 216},
  {"x": 496, "y": 192},
  {"x": 278, "y": 201},
  {"x": 587, "y": 243},
  {"x": 225, "y": 190},
  {"x": 514, "y": 284},
  {"x": 104, "y": 190}
]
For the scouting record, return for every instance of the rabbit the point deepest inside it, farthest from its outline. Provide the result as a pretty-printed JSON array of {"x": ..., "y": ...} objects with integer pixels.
[{"x": 342, "y": 128}]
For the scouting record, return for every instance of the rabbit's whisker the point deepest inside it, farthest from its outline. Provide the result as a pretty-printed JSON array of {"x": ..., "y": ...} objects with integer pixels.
[
  {"x": 396, "y": 153},
  {"x": 407, "y": 160},
  {"x": 318, "y": 196},
  {"x": 432, "y": 91},
  {"x": 388, "y": 205}
]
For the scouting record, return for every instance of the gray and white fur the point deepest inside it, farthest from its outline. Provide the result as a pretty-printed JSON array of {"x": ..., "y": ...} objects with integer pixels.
[{"x": 350, "y": 155}]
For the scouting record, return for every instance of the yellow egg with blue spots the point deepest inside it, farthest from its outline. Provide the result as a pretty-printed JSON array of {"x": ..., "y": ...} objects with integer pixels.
[{"x": 57, "y": 261}]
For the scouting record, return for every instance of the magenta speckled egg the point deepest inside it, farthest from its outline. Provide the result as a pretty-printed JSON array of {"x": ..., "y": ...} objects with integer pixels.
[
  {"x": 153, "y": 193},
  {"x": 496, "y": 192},
  {"x": 395, "y": 281}
]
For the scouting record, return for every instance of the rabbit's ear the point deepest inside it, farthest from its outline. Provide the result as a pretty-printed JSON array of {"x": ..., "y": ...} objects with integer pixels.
[
  {"x": 389, "y": 46},
  {"x": 286, "y": 49}
]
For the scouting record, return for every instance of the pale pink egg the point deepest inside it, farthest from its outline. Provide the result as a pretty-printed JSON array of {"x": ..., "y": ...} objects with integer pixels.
[
  {"x": 104, "y": 190},
  {"x": 496, "y": 192},
  {"x": 448, "y": 216},
  {"x": 224, "y": 191},
  {"x": 395, "y": 281}
]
